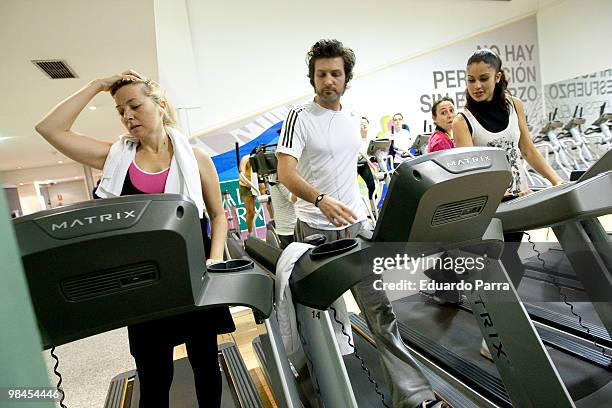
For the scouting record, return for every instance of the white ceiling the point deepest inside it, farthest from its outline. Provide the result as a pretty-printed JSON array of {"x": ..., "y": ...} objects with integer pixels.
[{"x": 96, "y": 38}]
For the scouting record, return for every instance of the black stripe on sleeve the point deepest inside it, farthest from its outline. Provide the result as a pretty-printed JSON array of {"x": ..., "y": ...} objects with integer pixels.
[
  {"x": 287, "y": 125},
  {"x": 292, "y": 129}
]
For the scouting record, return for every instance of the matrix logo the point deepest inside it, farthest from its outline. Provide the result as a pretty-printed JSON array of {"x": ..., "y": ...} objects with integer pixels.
[
  {"x": 469, "y": 160},
  {"x": 86, "y": 220},
  {"x": 95, "y": 219}
]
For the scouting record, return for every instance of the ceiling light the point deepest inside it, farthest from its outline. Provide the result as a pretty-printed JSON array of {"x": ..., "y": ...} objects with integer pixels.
[
  {"x": 60, "y": 162},
  {"x": 93, "y": 107},
  {"x": 21, "y": 184}
]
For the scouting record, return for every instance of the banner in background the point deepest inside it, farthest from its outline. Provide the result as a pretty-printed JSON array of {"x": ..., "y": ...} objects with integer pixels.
[
  {"x": 261, "y": 212},
  {"x": 248, "y": 133},
  {"x": 587, "y": 92},
  {"x": 413, "y": 86}
]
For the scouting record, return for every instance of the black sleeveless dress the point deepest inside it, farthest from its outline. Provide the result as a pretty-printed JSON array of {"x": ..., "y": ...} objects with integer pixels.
[{"x": 178, "y": 329}]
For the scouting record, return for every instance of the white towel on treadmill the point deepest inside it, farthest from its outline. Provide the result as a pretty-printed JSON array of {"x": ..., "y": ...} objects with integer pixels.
[
  {"x": 183, "y": 177},
  {"x": 285, "y": 312}
]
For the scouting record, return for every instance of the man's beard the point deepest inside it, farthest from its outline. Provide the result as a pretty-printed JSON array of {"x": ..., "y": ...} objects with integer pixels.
[{"x": 334, "y": 96}]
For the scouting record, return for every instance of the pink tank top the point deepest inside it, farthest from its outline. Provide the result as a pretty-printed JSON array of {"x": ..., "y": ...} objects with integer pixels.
[{"x": 150, "y": 183}]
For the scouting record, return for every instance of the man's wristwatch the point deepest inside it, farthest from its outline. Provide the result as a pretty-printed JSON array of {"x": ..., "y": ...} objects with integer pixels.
[{"x": 318, "y": 199}]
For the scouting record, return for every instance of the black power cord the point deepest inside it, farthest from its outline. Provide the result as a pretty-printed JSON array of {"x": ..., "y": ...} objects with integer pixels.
[
  {"x": 563, "y": 297},
  {"x": 59, "y": 382},
  {"x": 356, "y": 354},
  {"x": 315, "y": 381}
]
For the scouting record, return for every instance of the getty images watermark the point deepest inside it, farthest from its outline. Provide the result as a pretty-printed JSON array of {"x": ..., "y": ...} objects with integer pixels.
[{"x": 460, "y": 265}]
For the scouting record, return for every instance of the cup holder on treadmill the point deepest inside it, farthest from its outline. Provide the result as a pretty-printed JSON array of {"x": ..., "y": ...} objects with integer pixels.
[
  {"x": 333, "y": 248},
  {"x": 232, "y": 265}
]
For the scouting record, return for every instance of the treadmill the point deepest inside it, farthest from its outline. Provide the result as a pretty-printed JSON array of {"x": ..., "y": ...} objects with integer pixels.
[
  {"x": 370, "y": 387},
  {"x": 449, "y": 335},
  {"x": 81, "y": 285},
  {"x": 363, "y": 367},
  {"x": 430, "y": 199}
]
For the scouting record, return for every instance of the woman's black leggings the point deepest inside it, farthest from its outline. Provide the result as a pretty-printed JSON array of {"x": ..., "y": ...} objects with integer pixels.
[{"x": 156, "y": 369}]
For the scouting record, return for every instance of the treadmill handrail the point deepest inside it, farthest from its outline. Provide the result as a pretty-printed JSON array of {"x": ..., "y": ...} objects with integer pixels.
[
  {"x": 558, "y": 204},
  {"x": 600, "y": 166},
  {"x": 263, "y": 253}
]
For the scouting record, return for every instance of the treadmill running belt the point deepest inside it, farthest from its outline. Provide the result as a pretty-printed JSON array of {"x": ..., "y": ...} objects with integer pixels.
[
  {"x": 365, "y": 393},
  {"x": 545, "y": 295},
  {"x": 182, "y": 391},
  {"x": 569, "y": 324},
  {"x": 554, "y": 259},
  {"x": 457, "y": 331}
]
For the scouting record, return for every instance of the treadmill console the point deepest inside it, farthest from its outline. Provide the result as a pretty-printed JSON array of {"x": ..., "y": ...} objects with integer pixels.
[
  {"x": 102, "y": 264},
  {"x": 603, "y": 119},
  {"x": 574, "y": 122},
  {"x": 433, "y": 196},
  {"x": 550, "y": 126},
  {"x": 421, "y": 142},
  {"x": 378, "y": 145},
  {"x": 263, "y": 161}
]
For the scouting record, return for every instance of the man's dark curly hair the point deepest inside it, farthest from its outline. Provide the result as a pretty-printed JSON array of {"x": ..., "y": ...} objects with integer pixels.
[{"x": 331, "y": 49}]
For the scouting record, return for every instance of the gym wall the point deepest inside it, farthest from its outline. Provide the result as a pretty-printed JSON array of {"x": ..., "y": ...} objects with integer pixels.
[
  {"x": 576, "y": 57},
  {"x": 588, "y": 92},
  {"x": 249, "y": 56},
  {"x": 574, "y": 38},
  {"x": 409, "y": 86}
]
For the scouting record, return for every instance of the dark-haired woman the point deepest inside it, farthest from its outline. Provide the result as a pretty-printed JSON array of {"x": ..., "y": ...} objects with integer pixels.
[
  {"x": 443, "y": 114},
  {"x": 492, "y": 117}
]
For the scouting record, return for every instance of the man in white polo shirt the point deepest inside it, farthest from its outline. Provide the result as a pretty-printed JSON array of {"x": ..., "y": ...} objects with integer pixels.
[{"x": 317, "y": 160}]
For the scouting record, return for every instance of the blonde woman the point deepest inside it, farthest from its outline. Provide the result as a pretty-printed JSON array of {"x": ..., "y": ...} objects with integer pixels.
[{"x": 153, "y": 157}]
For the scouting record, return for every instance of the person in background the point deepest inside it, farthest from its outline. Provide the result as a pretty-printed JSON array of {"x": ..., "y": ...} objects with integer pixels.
[
  {"x": 153, "y": 157},
  {"x": 364, "y": 128},
  {"x": 443, "y": 114},
  {"x": 363, "y": 163},
  {"x": 402, "y": 140},
  {"x": 284, "y": 213},
  {"x": 246, "y": 192}
]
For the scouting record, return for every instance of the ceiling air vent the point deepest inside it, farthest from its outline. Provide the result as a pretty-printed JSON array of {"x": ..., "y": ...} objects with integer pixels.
[{"x": 56, "y": 69}]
